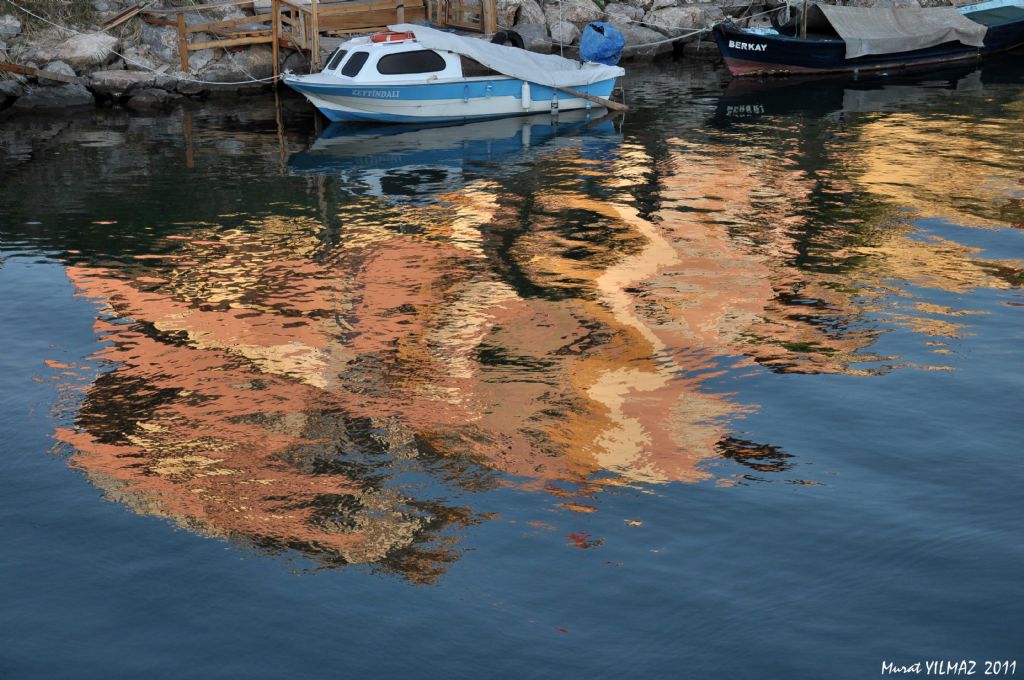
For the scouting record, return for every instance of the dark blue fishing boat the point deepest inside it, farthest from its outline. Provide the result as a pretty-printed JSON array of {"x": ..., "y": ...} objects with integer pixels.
[{"x": 833, "y": 39}]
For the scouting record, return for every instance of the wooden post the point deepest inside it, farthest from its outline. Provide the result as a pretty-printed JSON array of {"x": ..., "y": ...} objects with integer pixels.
[
  {"x": 314, "y": 55},
  {"x": 803, "y": 20},
  {"x": 275, "y": 32},
  {"x": 400, "y": 11},
  {"x": 182, "y": 43},
  {"x": 489, "y": 16}
]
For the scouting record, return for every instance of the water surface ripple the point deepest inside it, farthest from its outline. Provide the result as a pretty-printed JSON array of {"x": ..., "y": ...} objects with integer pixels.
[{"x": 725, "y": 389}]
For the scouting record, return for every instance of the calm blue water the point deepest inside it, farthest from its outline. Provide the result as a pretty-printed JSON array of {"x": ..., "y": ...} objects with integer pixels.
[{"x": 728, "y": 389}]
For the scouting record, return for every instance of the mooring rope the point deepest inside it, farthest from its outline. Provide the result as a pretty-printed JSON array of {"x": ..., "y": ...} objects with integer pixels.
[{"x": 186, "y": 78}]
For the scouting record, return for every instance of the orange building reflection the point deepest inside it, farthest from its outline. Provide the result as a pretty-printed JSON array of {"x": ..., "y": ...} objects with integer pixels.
[{"x": 271, "y": 384}]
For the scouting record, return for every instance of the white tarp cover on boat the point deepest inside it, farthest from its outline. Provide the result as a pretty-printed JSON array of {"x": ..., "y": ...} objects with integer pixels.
[
  {"x": 880, "y": 30},
  {"x": 543, "y": 69}
]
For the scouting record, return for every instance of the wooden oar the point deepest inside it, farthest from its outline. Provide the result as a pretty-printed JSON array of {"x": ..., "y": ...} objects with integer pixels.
[{"x": 607, "y": 103}]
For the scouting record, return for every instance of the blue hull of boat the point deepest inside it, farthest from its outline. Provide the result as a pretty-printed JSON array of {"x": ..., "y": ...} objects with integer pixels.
[{"x": 437, "y": 102}]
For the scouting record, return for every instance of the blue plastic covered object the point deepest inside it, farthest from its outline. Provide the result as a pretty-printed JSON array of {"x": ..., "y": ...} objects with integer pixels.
[{"x": 601, "y": 43}]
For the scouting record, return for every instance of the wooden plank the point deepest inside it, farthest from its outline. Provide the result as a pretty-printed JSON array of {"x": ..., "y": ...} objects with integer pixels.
[
  {"x": 361, "y": 29},
  {"x": 489, "y": 9},
  {"x": 228, "y": 23},
  {"x": 121, "y": 18},
  {"x": 160, "y": 11},
  {"x": 366, "y": 19},
  {"x": 296, "y": 6},
  {"x": 38, "y": 73},
  {"x": 233, "y": 42},
  {"x": 182, "y": 43},
  {"x": 331, "y": 8},
  {"x": 376, "y": 17},
  {"x": 241, "y": 34},
  {"x": 158, "y": 22}
]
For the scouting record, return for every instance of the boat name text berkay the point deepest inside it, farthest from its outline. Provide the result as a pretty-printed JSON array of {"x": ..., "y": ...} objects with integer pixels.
[{"x": 752, "y": 47}]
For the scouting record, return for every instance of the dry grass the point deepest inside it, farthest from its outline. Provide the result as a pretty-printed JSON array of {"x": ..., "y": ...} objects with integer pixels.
[{"x": 74, "y": 13}]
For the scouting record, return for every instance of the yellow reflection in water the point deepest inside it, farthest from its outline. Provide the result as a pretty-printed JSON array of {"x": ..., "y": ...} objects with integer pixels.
[{"x": 966, "y": 170}]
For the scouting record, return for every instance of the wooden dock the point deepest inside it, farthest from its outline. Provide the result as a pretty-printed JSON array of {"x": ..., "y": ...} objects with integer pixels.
[{"x": 299, "y": 24}]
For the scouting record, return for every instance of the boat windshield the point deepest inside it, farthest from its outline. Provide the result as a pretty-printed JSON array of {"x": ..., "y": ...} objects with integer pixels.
[
  {"x": 354, "y": 64},
  {"x": 336, "y": 58},
  {"x": 417, "y": 61}
]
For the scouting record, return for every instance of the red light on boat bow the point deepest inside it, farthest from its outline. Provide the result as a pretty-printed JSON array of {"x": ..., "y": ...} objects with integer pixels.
[{"x": 390, "y": 37}]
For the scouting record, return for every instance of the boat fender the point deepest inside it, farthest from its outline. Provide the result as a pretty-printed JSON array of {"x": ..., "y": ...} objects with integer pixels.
[
  {"x": 527, "y": 96},
  {"x": 511, "y": 37}
]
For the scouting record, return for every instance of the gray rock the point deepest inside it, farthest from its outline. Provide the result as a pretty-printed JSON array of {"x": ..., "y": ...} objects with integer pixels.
[
  {"x": 10, "y": 26},
  {"x": 662, "y": 4},
  {"x": 296, "y": 62},
  {"x": 198, "y": 60},
  {"x": 151, "y": 98},
  {"x": 101, "y": 5},
  {"x": 579, "y": 12},
  {"x": 138, "y": 58},
  {"x": 620, "y": 9},
  {"x": 675, "y": 21},
  {"x": 705, "y": 49},
  {"x": 60, "y": 97},
  {"x": 535, "y": 37},
  {"x": 165, "y": 80},
  {"x": 512, "y": 12},
  {"x": 10, "y": 89},
  {"x": 530, "y": 12},
  {"x": 638, "y": 41},
  {"x": 87, "y": 50},
  {"x": 161, "y": 42},
  {"x": 3, "y": 47},
  {"x": 188, "y": 87},
  {"x": 256, "y": 62},
  {"x": 117, "y": 83},
  {"x": 643, "y": 5},
  {"x": 563, "y": 32},
  {"x": 60, "y": 68}
]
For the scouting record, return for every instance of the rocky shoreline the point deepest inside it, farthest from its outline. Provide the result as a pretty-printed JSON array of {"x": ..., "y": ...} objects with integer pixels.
[{"x": 137, "y": 64}]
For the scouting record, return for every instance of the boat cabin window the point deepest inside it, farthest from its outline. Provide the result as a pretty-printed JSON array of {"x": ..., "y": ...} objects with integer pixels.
[
  {"x": 354, "y": 64},
  {"x": 420, "y": 61},
  {"x": 336, "y": 58},
  {"x": 472, "y": 68}
]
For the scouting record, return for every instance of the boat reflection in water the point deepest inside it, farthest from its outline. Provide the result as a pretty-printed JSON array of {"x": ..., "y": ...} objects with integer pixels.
[{"x": 415, "y": 163}]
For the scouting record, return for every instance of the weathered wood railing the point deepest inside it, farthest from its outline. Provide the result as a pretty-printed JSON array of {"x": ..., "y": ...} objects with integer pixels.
[{"x": 298, "y": 24}]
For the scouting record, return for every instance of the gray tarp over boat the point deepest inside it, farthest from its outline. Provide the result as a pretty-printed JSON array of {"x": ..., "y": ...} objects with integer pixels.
[{"x": 887, "y": 30}]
